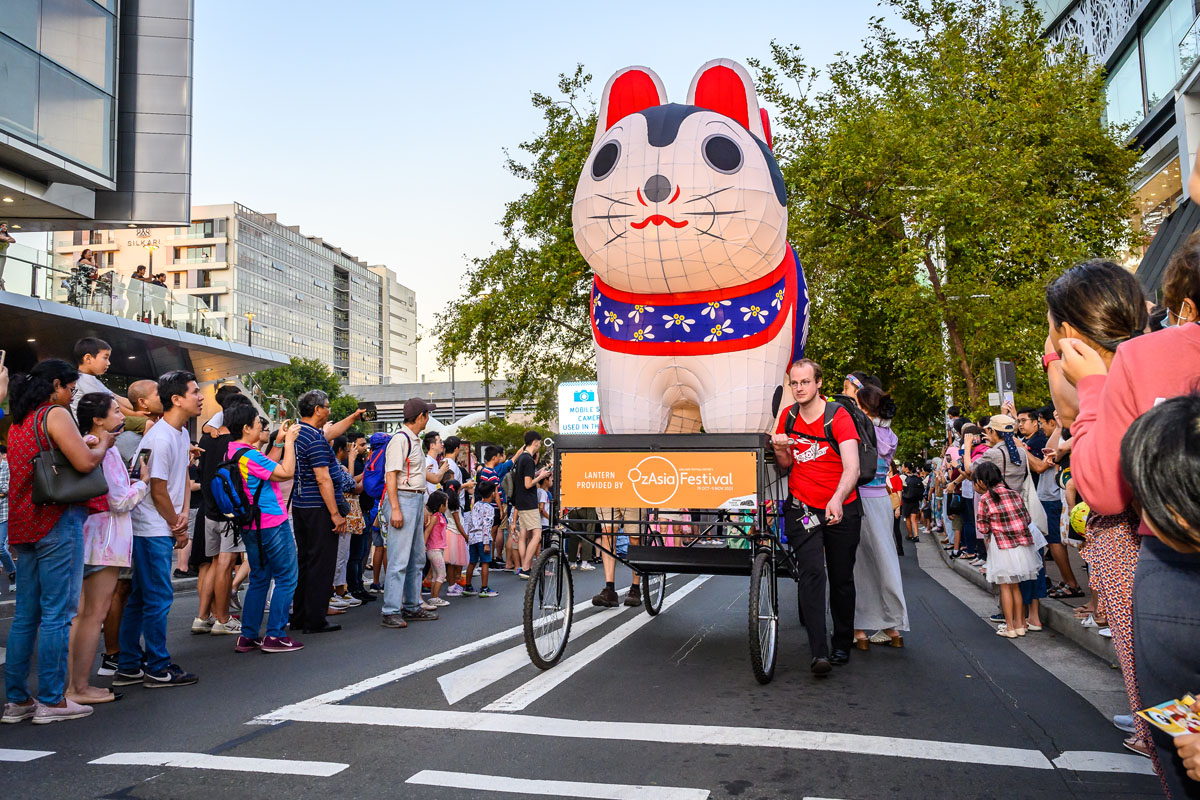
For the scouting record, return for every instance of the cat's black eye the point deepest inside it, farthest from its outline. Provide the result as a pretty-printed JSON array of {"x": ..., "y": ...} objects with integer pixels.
[
  {"x": 605, "y": 160},
  {"x": 722, "y": 153}
]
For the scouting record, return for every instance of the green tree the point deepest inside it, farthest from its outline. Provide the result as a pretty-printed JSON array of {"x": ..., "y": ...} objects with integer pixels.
[
  {"x": 524, "y": 306},
  {"x": 936, "y": 185},
  {"x": 495, "y": 430},
  {"x": 302, "y": 375}
]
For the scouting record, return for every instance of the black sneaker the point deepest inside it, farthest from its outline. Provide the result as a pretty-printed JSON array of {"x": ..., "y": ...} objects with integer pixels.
[
  {"x": 997, "y": 617},
  {"x": 607, "y": 598},
  {"x": 634, "y": 597},
  {"x": 420, "y": 615},
  {"x": 108, "y": 665},
  {"x": 173, "y": 675},
  {"x": 122, "y": 678}
]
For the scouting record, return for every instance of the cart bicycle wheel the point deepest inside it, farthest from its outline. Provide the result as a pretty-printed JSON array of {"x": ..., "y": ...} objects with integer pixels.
[
  {"x": 549, "y": 601},
  {"x": 764, "y": 618},
  {"x": 654, "y": 584}
]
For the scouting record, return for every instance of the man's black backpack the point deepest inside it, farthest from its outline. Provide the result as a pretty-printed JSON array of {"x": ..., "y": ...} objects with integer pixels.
[
  {"x": 868, "y": 447},
  {"x": 228, "y": 492}
]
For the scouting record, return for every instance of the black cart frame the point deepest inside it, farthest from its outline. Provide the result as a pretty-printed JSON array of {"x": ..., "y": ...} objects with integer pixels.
[{"x": 550, "y": 597}]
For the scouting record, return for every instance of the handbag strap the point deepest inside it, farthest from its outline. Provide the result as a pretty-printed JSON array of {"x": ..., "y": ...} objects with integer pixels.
[{"x": 40, "y": 429}]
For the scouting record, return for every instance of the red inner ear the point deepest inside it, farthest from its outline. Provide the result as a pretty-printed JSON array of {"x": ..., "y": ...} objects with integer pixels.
[
  {"x": 721, "y": 89},
  {"x": 630, "y": 93},
  {"x": 766, "y": 121}
]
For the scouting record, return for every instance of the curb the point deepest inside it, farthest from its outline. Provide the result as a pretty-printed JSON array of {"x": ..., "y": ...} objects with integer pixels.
[{"x": 1056, "y": 615}]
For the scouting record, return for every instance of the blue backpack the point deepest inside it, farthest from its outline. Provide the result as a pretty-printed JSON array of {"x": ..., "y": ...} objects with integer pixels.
[
  {"x": 373, "y": 475},
  {"x": 228, "y": 493}
]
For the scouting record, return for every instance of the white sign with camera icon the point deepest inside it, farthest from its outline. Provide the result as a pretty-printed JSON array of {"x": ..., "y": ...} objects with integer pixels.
[{"x": 578, "y": 408}]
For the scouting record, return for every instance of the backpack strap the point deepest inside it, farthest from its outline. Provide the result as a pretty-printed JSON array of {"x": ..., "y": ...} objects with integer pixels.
[{"x": 831, "y": 409}]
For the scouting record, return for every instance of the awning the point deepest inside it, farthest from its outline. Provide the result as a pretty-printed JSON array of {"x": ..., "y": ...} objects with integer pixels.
[
  {"x": 1172, "y": 233},
  {"x": 32, "y": 329}
]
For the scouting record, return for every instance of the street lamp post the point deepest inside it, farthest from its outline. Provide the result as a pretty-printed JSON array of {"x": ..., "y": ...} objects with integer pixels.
[{"x": 249, "y": 328}]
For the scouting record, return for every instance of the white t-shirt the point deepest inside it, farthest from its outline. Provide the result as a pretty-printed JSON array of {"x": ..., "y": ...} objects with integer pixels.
[
  {"x": 431, "y": 465},
  {"x": 544, "y": 498},
  {"x": 216, "y": 421},
  {"x": 86, "y": 385},
  {"x": 169, "y": 462},
  {"x": 412, "y": 474}
]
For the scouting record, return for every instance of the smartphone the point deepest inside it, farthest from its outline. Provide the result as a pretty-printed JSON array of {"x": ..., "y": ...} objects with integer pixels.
[
  {"x": 3, "y": 355},
  {"x": 135, "y": 467},
  {"x": 369, "y": 412}
]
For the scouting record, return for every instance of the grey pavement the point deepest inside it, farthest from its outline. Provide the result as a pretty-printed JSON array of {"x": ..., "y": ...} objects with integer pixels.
[{"x": 669, "y": 710}]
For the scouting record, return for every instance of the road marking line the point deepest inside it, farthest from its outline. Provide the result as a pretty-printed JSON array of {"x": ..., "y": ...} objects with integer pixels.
[
  {"x": 1095, "y": 761},
  {"x": 23, "y": 755},
  {"x": 1, "y": 656},
  {"x": 521, "y": 697},
  {"x": 366, "y": 685},
  {"x": 672, "y": 733},
  {"x": 544, "y": 788},
  {"x": 320, "y": 769},
  {"x": 470, "y": 679}
]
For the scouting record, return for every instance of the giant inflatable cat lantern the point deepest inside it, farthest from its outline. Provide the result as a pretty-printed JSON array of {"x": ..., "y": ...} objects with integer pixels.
[{"x": 698, "y": 303}]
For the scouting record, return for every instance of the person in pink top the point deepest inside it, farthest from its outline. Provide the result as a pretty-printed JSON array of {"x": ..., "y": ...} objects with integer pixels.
[
  {"x": 435, "y": 547},
  {"x": 1144, "y": 372}
]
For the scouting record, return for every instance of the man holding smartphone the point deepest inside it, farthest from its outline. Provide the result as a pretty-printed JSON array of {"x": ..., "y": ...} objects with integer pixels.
[{"x": 823, "y": 514}]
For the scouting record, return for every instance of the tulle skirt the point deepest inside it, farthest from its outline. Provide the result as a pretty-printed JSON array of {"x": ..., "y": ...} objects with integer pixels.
[{"x": 1012, "y": 565}]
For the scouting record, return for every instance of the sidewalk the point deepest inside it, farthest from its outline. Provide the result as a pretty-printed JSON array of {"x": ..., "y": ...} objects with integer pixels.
[{"x": 1057, "y": 615}]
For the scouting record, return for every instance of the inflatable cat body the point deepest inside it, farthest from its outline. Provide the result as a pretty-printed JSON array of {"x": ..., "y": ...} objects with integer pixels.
[{"x": 698, "y": 303}]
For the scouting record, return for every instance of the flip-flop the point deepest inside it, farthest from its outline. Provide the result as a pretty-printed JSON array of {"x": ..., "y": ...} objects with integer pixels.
[{"x": 88, "y": 701}]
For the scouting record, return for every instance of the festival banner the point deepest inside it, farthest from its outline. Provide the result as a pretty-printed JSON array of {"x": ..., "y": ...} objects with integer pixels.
[{"x": 694, "y": 480}]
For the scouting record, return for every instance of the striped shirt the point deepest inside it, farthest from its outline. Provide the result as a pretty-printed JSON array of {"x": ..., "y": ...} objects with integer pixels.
[{"x": 312, "y": 453}]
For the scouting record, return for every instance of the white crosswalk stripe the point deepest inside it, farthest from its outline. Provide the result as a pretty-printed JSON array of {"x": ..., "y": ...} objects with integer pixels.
[
  {"x": 547, "y": 788},
  {"x": 320, "y": 769}
]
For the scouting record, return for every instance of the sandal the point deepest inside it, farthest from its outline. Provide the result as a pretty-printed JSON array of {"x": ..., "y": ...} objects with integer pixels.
[{"x": 1065, "y": 592}]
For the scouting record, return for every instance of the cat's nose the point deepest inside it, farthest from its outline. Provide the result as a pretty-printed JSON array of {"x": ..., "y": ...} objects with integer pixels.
[{"x": 657, "y": 189}]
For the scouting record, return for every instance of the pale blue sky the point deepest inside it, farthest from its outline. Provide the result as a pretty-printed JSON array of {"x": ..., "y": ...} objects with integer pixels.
[{"x": 381, "y": 126}]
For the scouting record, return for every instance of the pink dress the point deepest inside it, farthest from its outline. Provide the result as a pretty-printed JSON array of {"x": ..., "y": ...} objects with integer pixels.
[
  {"x": 437, "y": 536},
  {"x": 108, "y": 535}
]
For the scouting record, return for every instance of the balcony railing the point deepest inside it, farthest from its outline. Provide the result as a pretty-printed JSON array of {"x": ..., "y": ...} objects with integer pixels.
[
  {"x": 31, "y": 273},
  {"x": 1189, "y": 47}
]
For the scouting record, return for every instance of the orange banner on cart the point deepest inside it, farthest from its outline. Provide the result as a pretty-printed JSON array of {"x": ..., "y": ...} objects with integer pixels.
[{"x": 657, "y": 480}]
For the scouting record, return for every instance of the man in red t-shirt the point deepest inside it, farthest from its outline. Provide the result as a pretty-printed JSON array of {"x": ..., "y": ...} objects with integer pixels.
[{"x": 822, "y": 484}]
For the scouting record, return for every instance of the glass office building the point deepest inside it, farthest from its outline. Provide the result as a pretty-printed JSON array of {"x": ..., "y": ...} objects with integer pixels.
[
  {"x": 95, "y": 112},
  {"x": 1150, "y": 51},
  {"x": 272, "y": 286}
]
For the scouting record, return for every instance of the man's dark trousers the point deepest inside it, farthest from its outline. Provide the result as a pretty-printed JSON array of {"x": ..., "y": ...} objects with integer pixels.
[
  {"x": 832, "y": 548},
  {"x": 316, "y": 552}
]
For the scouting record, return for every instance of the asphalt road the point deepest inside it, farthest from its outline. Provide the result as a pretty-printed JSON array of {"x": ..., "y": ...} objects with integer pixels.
[{"x": 663, "y": 708}]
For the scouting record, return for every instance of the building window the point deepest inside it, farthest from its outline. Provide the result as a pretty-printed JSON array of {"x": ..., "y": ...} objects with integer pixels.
[
  {"x": 1123, "y": 93},
  {"x": 1160, "y": 48}
]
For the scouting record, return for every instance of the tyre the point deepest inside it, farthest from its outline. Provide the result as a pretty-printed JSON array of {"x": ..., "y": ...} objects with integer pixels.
[
  {"x": 763, "y": 618},
  {"x": 549, "y": 605},
  {"x": 654, "y": 585}
]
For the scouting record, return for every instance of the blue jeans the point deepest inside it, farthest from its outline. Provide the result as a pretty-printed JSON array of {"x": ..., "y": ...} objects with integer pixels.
[
  {"x": 49, "y": 579},
  {"x": 406, "y": 555},
  {"x": 6, "y": 562},
  {"x": 1166, "y": 641},
  {"x": 272, "y": 554},
  {"x": 1036, "y": 588},
  {"x": 149, "y": 604},
  {"x": 968, "y": 540}
]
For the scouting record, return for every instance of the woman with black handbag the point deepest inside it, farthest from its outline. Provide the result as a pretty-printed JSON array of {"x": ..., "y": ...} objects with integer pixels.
[{"x": 52, "y": 475}]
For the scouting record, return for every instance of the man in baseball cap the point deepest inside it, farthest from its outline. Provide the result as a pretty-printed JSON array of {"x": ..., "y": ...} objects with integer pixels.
[{"x": 402, "y": 515}]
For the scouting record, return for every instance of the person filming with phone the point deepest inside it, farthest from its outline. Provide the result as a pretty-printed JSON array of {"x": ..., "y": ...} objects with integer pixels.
[{"x": 823, "y": 513}]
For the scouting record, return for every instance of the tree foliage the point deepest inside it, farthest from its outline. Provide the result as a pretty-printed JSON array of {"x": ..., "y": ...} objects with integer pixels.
[
  {"x": 524, "y": 307},
  {"x": 497, "y": 431},
  {"x": 302, "y": 375},
  {"x": 935, "y": 186}
]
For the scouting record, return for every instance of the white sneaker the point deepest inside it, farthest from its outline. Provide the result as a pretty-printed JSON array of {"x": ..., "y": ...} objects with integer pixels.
[
  {"x": 439, "y": 602},
  {"x": 71, "y": 710},
  {"x": 586, "y": 567},
  {"x": 428, "y": 605},
  {"x": 351, "y": 602},
  {"x": 338, "y": 602},
  {"x": 234, "y": 625},
  {"x": 203, "y": 625}
]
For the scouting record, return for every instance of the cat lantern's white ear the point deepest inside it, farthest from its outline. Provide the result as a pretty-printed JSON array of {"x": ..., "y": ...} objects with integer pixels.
[
  {"x": 628, "y": 91},
  {"x": 726, "y": 87}
]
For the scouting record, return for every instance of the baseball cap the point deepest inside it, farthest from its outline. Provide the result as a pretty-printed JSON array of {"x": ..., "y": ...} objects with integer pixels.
[{"x": 415, "y": 407}]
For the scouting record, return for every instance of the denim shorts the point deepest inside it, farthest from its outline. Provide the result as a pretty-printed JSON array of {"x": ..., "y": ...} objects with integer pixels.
[
  {"x": 479, "y": 555},
  {"x": 377, "y": 538}
]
